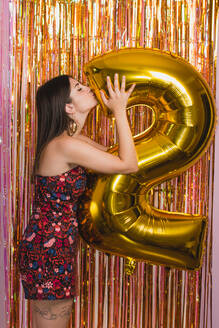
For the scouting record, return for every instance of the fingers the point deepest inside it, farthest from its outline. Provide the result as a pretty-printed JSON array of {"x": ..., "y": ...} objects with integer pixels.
[
  {"x": 109, "y": 86},
  {"x": 116, "y": 87},
  {"x": 129, "y": 91},
  {"x": 116, "y": 82},
  {"x": 123, "y": 84},
  {"x": 102, "y": 94}
]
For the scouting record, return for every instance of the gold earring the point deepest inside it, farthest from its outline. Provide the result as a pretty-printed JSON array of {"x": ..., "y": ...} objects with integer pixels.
[{"x": 72, "y": 128}]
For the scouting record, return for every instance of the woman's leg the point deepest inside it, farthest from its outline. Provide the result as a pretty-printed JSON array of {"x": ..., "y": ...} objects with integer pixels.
[{"x": 51, "y": 314}]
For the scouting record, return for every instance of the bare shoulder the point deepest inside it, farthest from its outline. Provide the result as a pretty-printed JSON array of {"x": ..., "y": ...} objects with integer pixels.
[{"x": 52, "y": 160}]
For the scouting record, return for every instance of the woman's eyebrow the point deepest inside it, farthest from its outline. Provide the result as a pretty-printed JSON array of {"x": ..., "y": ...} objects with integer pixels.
[{"x": 76, "y": 85}]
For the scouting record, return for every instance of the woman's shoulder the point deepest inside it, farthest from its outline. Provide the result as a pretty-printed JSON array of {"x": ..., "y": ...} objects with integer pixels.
[{"x": 52, "y": 159}]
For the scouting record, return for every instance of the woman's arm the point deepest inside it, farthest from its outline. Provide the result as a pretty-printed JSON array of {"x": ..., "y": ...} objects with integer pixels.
[{"x": 79, "y": 152}]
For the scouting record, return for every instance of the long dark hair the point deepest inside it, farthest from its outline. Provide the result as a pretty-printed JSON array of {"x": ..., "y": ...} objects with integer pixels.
[{"x": 52, "y": 118}]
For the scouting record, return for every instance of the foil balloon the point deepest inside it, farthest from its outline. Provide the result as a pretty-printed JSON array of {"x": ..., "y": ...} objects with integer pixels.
[{"x": 117, "y": 217}]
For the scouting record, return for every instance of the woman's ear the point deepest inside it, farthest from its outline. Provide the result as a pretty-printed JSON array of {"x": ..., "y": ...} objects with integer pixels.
[{"x": 69, "y": 108}]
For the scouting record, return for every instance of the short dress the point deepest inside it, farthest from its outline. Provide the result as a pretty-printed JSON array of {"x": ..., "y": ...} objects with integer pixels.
[{"x": 47, "y": 251}]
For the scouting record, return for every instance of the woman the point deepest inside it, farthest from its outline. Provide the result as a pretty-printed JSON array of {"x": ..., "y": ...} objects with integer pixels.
[{"x": 48, "y": 246}]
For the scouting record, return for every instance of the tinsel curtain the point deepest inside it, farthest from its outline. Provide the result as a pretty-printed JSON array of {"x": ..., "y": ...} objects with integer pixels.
[{"x": 44, "y": 38}]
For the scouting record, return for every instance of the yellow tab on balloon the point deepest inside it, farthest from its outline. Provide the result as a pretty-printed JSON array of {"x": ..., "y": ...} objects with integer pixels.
[{"x": 117, "y": 217}]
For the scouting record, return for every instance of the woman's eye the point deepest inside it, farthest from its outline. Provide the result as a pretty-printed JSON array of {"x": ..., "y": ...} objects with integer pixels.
[{"x": 79, "y": 89}]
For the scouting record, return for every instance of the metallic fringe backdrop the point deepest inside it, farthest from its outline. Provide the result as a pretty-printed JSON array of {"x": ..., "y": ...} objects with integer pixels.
[{"x": 45, "y": 38}]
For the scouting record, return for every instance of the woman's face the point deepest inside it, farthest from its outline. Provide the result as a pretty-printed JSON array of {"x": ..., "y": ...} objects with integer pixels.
[{"x": 83, "y": 99}]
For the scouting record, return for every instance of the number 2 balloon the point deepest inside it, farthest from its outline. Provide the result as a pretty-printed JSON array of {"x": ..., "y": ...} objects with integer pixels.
[{"x": 116, "y": 215}]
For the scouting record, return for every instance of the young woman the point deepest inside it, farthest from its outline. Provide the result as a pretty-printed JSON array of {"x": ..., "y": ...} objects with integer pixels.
[{"x": 48, "y": 247}]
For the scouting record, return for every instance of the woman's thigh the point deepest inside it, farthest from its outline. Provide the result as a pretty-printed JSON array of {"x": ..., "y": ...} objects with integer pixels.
[{"x": 51, "y": 314}]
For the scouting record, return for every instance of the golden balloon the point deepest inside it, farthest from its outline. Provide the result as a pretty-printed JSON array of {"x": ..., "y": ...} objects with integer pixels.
[{"x": 117, "y": 217}]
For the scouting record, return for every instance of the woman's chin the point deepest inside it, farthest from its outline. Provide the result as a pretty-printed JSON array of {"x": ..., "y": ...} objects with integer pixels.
[{"x": 96, "y": 102}]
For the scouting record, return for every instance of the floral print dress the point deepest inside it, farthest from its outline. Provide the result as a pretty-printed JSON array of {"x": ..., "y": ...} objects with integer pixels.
[{"x": 47, "y": 251}]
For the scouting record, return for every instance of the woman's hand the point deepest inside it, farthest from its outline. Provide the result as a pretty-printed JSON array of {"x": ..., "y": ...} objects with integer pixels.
[{"x": 118, "y": 98}]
